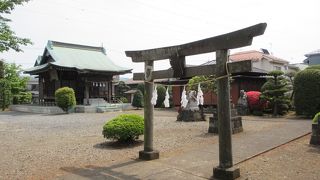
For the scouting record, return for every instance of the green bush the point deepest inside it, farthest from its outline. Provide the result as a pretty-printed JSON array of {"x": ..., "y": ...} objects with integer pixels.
[
  {"x": 5, "y": 93},
  {"x": 22, "y": 98},
  {"x": 274, "y": 91},
  {"x": 126, "y": 127},
  {"x": 137, "y": 99},
  {"x": 316, "y": 117},
  {"x": 257, "y": 113},
  {"x": 124, "y": 99},
  {"x": 161, "y": 90},
  {"x": 1, "y": 69},
  {"x": 65, "y": 98},
  {"x": 307, "y": 92},
  {"x": 314, "y": 67},
  {"x": 141, "y": 88}
]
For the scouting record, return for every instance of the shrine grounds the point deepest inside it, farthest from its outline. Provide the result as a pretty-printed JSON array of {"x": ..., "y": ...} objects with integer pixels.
[{"x": 71, "y": 146}]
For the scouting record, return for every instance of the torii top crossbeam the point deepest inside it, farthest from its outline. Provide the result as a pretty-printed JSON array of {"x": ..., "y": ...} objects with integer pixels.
[
  {"x": 176, "y": 54},
  {"x": 236, "y": 39}
]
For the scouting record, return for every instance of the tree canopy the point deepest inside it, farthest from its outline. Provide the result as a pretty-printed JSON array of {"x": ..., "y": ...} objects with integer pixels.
[
  {"x": 8, "y": 38},
  {"x": 208, "y": 83},
  {"x": 122, "y": 88},
  {"x": 13, "y": 86}
]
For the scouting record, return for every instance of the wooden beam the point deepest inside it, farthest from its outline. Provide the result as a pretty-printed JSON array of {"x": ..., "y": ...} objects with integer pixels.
[
  {"x": 233, "y": 67},
  {"x": 178, "y": 65},
  {"x": 236, "y": 39}
]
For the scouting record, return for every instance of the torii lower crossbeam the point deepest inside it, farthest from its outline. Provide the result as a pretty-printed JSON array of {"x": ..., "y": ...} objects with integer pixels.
[{"x": 219, "y": 44}]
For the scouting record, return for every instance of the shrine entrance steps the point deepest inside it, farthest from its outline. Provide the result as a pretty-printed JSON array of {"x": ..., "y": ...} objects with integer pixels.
[{"x": 31, "y": 108}]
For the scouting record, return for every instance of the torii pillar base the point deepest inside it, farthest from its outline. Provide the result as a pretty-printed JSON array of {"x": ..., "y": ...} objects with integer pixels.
[
  {"x": 149, "y": 155},
  {"x": 227, "y": 174}
]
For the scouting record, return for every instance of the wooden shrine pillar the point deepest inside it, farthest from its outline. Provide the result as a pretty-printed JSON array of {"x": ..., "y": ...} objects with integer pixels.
[
  {"x": 148, "y": 152},
  {"x": 109, "y": 91},
  {"x": 225, "y": 170},
  {"x": 40, "y": 90},
  {"x": 86, "y": 92}
]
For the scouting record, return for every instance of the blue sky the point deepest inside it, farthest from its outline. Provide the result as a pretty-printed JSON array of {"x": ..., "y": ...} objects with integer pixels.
[{"x": 293, "y": 26}]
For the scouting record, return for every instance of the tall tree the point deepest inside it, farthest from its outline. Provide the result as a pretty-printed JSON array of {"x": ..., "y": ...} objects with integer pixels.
[
  {"x": 122, "y": 88},
  {"x": 274, "y": 91},
  {"x": 1, "y": 69},
  {"x": 208, "y": 83},
  {"x": 291, "y": 76},
  {"x": 137, "y": 99},
  {"x": 8, "y": 38},
  {"x": 13, "y": 86}
]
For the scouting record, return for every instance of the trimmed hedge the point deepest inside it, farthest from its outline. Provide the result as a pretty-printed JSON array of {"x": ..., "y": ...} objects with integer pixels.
[
  {"x": 126, "y": 127},
  {"x": 274, "y": 91},
  {"x": 65, "y": 98},
  {"x": 123, "y": 99},
  {"x": 5, "y": 94},
  {"x": 307, "y": 92},
  {"x": 137, "y": 99},
  {"x": 316, "y": 117},
  {"x": 254, "y": 103},
  {"x": 161, "y": 90},
  {"x": 22, "y": 98}
]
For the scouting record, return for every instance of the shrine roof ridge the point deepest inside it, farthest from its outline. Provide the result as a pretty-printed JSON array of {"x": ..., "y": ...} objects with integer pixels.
[{"x": 52, "y": 44}]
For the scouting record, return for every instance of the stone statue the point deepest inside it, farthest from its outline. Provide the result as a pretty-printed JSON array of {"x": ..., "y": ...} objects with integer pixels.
[
  {"x": 192, "y": 101},
  {"x": 191, "y": 112},
  {"x": 242, "y": 105},
  {"x": 243, "y": 98}
]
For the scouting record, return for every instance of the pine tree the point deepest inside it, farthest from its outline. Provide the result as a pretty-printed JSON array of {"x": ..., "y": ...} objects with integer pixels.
[
  {"x": 137, "y": 99},
  {"x": 274, "y": 91}
]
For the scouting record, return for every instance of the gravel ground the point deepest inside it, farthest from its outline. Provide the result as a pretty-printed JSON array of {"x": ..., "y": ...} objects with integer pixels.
[
  {"x": 295, "y": 161},
  {"x": 35, "y": 146}
]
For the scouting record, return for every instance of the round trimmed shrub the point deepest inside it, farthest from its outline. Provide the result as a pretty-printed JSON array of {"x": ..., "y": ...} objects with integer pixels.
[
  {"x": 316, "y": 118},
  {"x": 161, "y": 90},
  {"x": 126, "y": 127},
  {"x": 307, "y": 92},
  {"x": 65, "y": 98},
  {"x": 254, "y": 102},
  {"x": 124, "y": 99},
  {"x": 22, "y": 98},
  {"x": 137, "y": 99}
]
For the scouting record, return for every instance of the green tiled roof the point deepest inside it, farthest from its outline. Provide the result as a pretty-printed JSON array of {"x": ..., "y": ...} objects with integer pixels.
[{"x": 79, "y": 57}]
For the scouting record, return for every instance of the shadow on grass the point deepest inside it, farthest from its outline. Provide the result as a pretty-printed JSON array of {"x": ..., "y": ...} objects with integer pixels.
[
  {"x": 96, "y": 172},
  {"x": 118, "y": 145}
]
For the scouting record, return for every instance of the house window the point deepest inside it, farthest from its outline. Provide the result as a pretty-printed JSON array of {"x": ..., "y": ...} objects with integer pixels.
[{"x": 277, "y": 68}]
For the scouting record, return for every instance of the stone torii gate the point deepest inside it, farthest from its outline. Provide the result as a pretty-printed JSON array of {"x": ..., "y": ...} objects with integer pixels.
[{"x": 176, "y": 54}]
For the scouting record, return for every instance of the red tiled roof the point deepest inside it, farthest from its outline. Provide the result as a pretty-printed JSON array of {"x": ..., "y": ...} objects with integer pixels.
[{"x": 254, "y": 56}]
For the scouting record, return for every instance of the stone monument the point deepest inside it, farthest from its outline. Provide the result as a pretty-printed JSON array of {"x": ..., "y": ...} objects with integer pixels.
[
  {"x": 191, "y": 112},
  {"x": 242, "y": 105}
]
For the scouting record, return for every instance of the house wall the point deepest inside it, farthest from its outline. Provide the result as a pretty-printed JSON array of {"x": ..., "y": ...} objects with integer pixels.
[
  {"x": 313, "y": 60},
  {"x": 269, "y": 65},
  {"x": 241, "y": 83}
]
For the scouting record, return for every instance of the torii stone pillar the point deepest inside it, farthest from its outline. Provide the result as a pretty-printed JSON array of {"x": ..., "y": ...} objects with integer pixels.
[
  {"x": 148, "y": 152},
  {"x": 220, "y": 44},
  {"x": 225, "y": 170}
]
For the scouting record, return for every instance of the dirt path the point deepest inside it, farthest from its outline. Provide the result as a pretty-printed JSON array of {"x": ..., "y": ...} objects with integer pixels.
[{"x": 296, "y": 160}]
